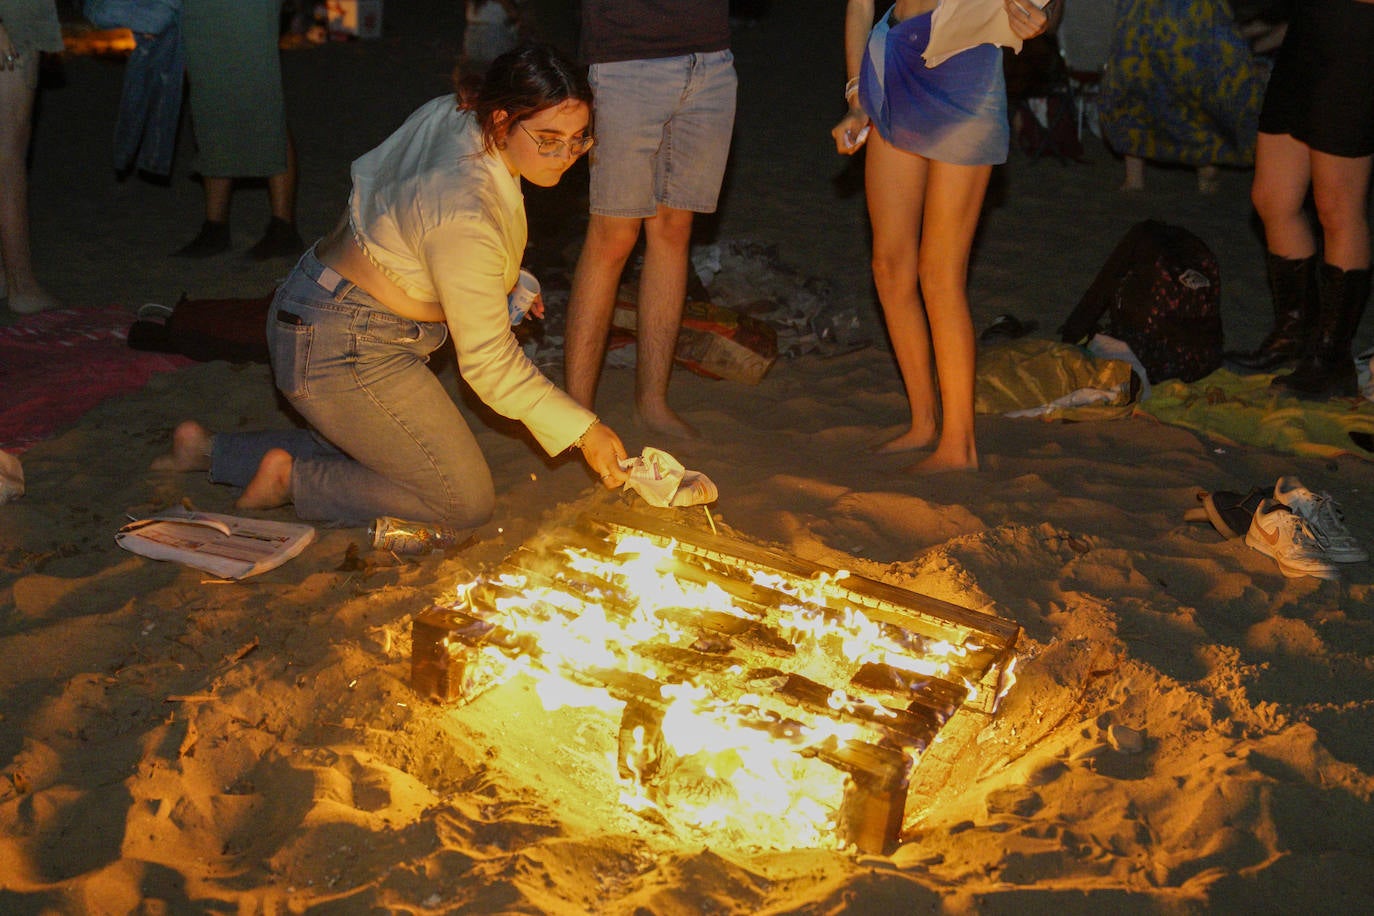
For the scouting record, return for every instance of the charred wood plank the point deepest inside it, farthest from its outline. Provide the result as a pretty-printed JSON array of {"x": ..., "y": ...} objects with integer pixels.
[
  {"x": 883, "y": 601},
  {"x": 942, "y": 698},
  {"x": 750, "y": 632},
  {"x": 915, "y": 728}
]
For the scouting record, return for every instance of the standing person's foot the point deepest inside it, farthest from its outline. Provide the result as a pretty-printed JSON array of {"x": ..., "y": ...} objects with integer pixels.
[
  {"x": 1208, "y": 179},
  {"x": 31, "y": 303},
  {"x": 663, "y": 420},
  {"x": 280, "y": 240},
  {"x": 1135, "y": 174},
  {"x": 212, "y": 239},
  {"x": 945, "y": 459},
  {"x": 908, "y": 441},
  {"x": 190, "y": 449}
]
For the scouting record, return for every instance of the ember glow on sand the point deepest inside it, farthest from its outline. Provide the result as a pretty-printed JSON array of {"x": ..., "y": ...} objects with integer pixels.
[{"x": 758, "y": 701}]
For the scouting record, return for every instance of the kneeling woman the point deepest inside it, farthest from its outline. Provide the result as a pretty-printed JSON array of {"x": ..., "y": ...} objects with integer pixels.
[{"x": 430, "y": 247}]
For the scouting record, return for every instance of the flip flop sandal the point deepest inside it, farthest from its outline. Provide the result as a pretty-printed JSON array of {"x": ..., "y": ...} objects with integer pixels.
[
  {"x": 154, "y": 311},
  {"x": 1230, "y": 513}
]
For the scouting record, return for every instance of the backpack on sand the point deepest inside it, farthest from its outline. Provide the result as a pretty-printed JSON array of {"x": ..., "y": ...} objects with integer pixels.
[{"x": 1160, "y": 291}]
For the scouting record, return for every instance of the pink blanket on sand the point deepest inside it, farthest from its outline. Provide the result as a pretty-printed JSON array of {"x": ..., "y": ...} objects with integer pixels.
[{"x": 57, "y": 365}]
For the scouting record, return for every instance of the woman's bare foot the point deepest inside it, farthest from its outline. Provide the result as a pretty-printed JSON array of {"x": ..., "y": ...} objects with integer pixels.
[
  {"x": 943, "y": 460},
  {"x": 906, "y": 442},
  {"x": 190, "y": 449},
  {"x": 663, "y": 420},
  {"x": 271, "y": 485}
]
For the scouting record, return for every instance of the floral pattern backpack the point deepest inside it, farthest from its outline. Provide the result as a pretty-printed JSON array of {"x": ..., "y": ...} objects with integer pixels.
[{"x": 1160, "y": 293}]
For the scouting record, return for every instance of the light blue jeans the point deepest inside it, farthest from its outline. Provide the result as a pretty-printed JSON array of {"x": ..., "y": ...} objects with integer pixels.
[{"x": 385, "y": 436}]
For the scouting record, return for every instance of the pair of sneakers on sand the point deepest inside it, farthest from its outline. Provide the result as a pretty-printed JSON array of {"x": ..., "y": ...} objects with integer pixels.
[{"x": 1302, "y": 530}]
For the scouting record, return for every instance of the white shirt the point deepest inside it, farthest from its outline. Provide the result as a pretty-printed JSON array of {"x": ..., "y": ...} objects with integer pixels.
[{"x": 445, "y": 221}]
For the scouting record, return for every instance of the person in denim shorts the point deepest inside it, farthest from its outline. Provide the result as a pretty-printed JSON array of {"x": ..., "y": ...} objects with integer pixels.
[
  {"x": 428, "y": 251},
  {"x": 664, "y": 80}
]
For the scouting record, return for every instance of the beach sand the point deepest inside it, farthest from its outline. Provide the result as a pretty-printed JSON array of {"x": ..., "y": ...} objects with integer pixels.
[{"x": 175, "y": 744}]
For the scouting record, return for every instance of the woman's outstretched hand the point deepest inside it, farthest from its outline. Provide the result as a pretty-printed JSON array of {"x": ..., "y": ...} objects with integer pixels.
[{"x": 603, "y": 451}]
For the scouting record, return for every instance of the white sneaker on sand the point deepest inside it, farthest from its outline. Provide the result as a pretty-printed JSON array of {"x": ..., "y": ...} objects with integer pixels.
[
  {"x": 1279, "y": 532},
  {"x": 1324, "y": 520}
]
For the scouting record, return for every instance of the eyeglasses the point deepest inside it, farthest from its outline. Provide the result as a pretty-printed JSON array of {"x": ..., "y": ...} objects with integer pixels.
[{"x": 554, "y": 146}]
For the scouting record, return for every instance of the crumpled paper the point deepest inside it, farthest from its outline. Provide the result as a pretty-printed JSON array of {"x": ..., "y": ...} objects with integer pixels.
[
  {"x": 664, "y": 482},
  {"x": 11, "y": 477}
]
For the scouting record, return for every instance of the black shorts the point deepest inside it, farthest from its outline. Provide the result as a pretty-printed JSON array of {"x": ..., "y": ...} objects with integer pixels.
[{"x": 1322, "y": 88}]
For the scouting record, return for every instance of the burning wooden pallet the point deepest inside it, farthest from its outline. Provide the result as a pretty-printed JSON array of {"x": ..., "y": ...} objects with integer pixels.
[{"x": 836, "y": 668}]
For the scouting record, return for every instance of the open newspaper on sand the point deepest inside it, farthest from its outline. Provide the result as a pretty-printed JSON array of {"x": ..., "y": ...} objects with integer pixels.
[
  {"x": 223, "y": 545},
  {"x": 958, "y": 25}
]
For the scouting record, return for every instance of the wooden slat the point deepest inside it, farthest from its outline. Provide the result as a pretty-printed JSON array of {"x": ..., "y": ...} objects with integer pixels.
[
  {"x": 941, "y": 697},
  {"x": 888, "y": 601}
]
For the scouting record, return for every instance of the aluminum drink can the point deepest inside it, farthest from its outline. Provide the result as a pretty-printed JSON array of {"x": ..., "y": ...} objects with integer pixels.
[
  {"x": 411, "y": 538},
  {"x": 522, "y": 297}
]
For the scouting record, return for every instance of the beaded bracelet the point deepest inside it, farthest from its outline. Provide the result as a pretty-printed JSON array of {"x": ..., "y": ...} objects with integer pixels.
[{"x": 581, "y": 441}]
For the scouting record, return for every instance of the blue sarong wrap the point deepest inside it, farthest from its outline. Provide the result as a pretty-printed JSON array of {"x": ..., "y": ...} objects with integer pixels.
[{"x": 955, "y": 113}]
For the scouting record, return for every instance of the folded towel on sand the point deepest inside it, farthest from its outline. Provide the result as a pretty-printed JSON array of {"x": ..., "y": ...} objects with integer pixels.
[{"x": 55, "y": 366}]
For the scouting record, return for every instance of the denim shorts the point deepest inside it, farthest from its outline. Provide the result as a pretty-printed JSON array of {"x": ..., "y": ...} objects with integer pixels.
[{"x": 662, "y": 133}]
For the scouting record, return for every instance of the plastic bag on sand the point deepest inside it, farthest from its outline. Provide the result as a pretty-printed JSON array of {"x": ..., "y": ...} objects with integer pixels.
[
  {"x": 11, "y": 477},
  {"x": 663, "y": 481}
]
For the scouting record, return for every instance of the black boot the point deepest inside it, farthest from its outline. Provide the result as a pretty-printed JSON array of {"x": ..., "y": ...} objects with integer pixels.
[
  {"x": 1295, "y": 314},
  {"x": 1327, "y": 369},
  {"x": 281, "y": 240},
  {"x": 212, "y": 239}
]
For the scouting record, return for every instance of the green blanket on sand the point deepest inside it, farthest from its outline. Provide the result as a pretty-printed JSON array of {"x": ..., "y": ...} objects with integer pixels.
[
  {"x": 1244, "y": 409},
  {"x": 1037, "y": 377}
]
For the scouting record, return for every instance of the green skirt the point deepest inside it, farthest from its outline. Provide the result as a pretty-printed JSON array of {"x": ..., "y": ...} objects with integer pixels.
[{"x": 233, "y": 67}]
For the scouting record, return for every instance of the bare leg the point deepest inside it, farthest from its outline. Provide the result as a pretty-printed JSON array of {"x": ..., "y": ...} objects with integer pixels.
[
  {"x": 271, "y": 485},
  {"x": 213, "y": 237},
  {"x": 1135, "y": 174},
  {"x": 190, "y": 449},
  {"x": 596, "y": 282},
  {"x": 1340, "y": 189},
  {"x": 953, "y": 203},
  {"x": 25, "y": 294},
  {"x": 895, "y": 184},
  {"x": 281, "y": 238},
  {"x": 1282, "y": 173},
  {"x": 662, "y": 292},
  {"x": 218, "y": 192},
  {"x": 281, "y": 188},
  {"x": 1208, "y": 179}
]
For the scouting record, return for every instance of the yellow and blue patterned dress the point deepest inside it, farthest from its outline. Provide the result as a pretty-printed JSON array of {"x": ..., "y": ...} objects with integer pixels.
[{"x": 1181, "y": 85}]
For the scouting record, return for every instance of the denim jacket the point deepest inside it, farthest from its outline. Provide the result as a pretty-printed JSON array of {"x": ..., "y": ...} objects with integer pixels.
[
  {"x": 147, "y": 16},
  {"x": 150, "y": 103}
]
